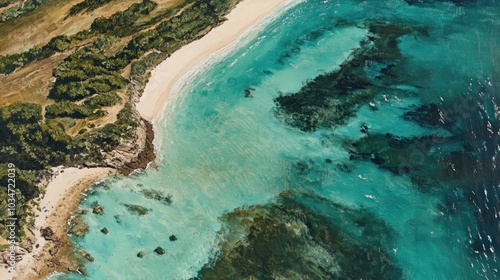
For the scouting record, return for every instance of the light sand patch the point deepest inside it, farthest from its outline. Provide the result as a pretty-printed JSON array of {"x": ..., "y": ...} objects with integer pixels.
[{"x": 63, "y": 195}]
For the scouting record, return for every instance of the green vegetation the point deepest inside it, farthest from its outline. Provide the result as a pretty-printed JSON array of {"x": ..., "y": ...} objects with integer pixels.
[
  {"x": 87, "y": 6},
  {"x": 121, "y": 23},
  {"x": 77, "y": 90},
  {"x": 167, "y": 37},
  {"x": 22, "y": 208},
  {"x": 9, "y": 63},
  {"x": 86, "y": 82},
  {"x": 18, "y": 10},
  {"x": 139, "y": 69},
  {"x": 5, "y": 3},
  {"x": 102, "y": 100},
  {"x": 67, "y": 109},
  {"x": 85, "y": 73},
  {"x": 34, "y": 146},
  {"x": 171, "y": 34},
  {"x": 28, "y": 143}
]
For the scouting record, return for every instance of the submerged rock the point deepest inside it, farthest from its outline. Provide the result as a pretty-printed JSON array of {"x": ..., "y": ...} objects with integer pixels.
[
  {"x": 89, "y": 257},
  {"x": 104, "y": 230},
  {"x": 363, "y": 128},
  {"x": 427, "y": 2},
  {"x": 172, "y": 237},
  {"x": 158, "y": 196},
  {"x": 397, "y": 154},
  {"x": 267, "y": 72},
  {"x": 98, "y": 209},
  {"x": 136, "y": 209},
  {"x": 78, "y": 227},
  {"x": 82, "y": 254},
  {"x": 429, "y": 116},
  {"x": 118, "y": 219},
  {"x": 303, "y": 166},
  {"x": 247, "y": 93},
  {"x": 342, "y": 166},
  {"x": 331, "y": 99},
  {"x": 290, "y": 240},
  {"x": 140, "y": 254},
  {"x": 159, "y": 250}
]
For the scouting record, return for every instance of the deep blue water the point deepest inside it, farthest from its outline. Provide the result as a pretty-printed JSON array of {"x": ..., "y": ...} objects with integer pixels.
[{"x": 221, "y": 151}]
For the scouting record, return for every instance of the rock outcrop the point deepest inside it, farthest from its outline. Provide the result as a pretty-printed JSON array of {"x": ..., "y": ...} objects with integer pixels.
[
  {"x": 20, "y": 250},
  {"x": 135, "y": 154},
  {"x": 98, "y": 209},
  {"x": 159, "y": 250},
  {"x": 136, "y": 209},
  {"x": 47, "y": 233},
  {"x": 78, "y": 227}
]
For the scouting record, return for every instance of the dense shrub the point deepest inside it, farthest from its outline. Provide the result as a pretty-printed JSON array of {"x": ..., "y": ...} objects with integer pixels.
[
  {"x": 18, "y": 10},
  {"x": 121, "y": 23},
  {"x": 102, "y": 100},
  {"x": 9, "y": 63},
  {"x": 87, "y": 6},
  {"x": 67, "y": 109},
  {"x": 5, "y": 3},
  {"x": 89, "y": 74}
]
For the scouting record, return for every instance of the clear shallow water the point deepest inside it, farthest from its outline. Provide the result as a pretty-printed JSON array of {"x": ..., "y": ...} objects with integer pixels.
[{"x": 222, "y": 151}]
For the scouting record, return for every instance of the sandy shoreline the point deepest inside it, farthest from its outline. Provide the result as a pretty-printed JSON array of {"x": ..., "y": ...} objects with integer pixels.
[
  {"x": 63, "y": 195},
  {"x": 64, "y": 191},
  {"x": 169, "y": 75}
]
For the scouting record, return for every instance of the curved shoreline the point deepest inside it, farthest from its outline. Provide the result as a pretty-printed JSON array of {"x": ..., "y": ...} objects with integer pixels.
[
  {"x": 63, "y": 195},
  {"x": 170, "y": 75},
  {"x": 65, "y": 191}
]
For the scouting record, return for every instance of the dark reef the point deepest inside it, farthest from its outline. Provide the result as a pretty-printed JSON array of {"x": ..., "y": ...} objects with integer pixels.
[
  {"x": 332, "y": 98},
  {"x": 136, "y": 209},
  {"x": 303, "y": 236},
  {"x": 429, "y": 115},
  {"x": 397, "y": 154},
  {"x": 427, "y": 2},
  {"x": 157, "y": 196},
  {"x": 472, "y": 160},
  {"x": 466, "y": 161}
]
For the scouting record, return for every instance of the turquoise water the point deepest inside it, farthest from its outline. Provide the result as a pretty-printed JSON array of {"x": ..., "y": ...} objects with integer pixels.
[{"x": 221, "y": 151}]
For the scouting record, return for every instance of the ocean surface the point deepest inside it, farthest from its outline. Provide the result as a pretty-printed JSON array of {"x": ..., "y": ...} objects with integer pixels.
[{"x": 222, "y": 150}]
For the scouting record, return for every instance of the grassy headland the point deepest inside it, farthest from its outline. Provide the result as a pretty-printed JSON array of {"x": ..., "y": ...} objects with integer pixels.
[{"x": 69, "y": 99}]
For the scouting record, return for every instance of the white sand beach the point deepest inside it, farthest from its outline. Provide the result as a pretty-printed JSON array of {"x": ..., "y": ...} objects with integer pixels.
[
  {"x": 64, "y": 192},
  {"x": 168, "y": 76}
]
